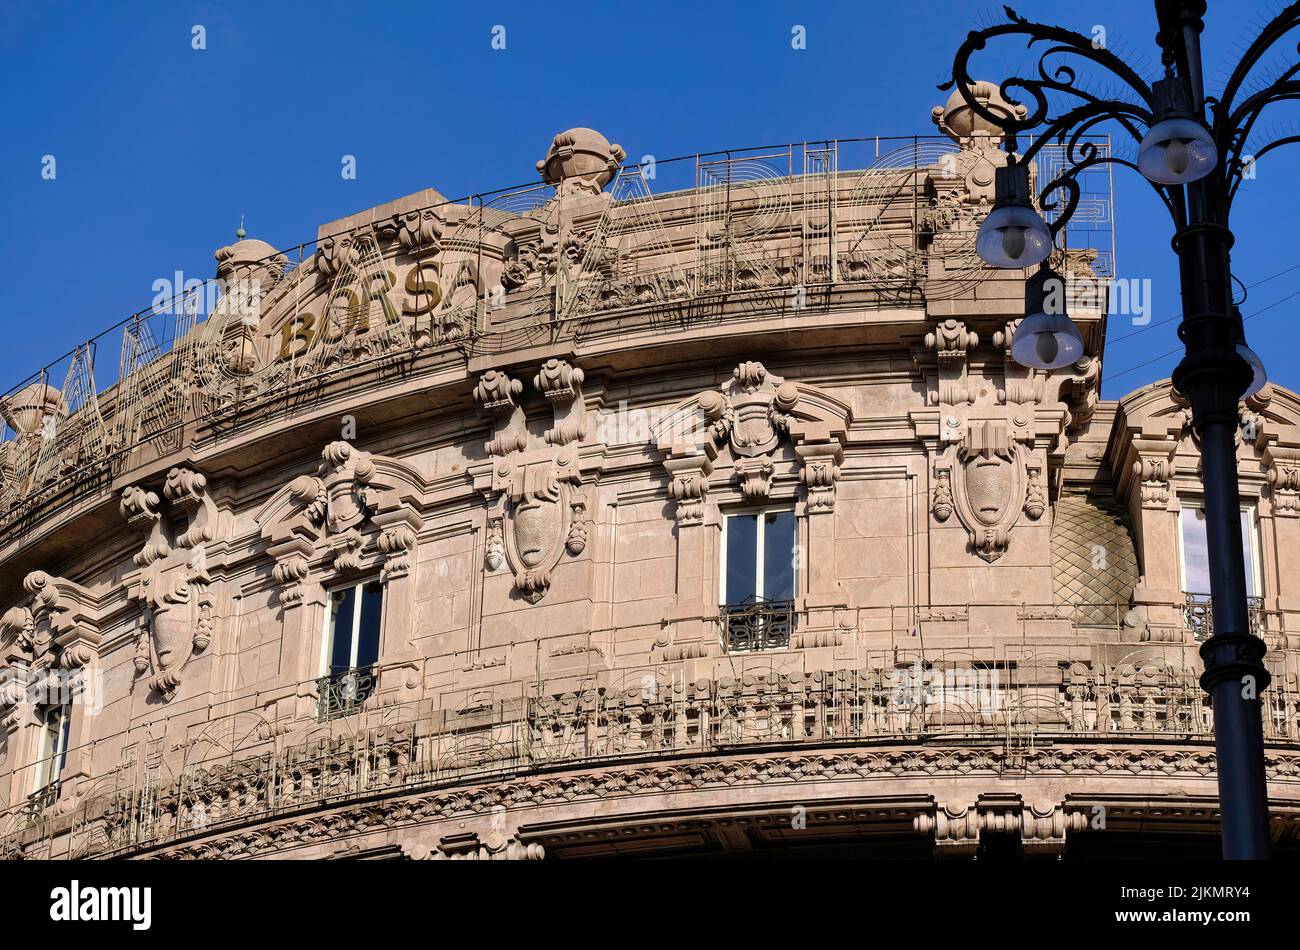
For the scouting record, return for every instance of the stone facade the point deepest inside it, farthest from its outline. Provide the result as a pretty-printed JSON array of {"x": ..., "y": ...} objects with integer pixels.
[{"x": 520, "y": 428}]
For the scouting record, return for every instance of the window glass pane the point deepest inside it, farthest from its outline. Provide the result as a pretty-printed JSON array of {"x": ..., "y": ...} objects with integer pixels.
[
  {"x": 65, "y": 718},
  {"x": 742, "y": 557},
  {"x": 1196, "y": 556},
  {"x": 342, "y": 603},
  {"x": 1196, "y": 551},
  {"x": 778, "y": 555},
  {"x": 368, "y": 635},
  {"x": 49, "y": 745},
  {"x": 57, "y": 723},
  {"x": 1248, "y": 551}
]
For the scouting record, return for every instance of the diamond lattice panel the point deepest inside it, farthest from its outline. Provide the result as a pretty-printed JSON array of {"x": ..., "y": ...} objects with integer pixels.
[{"x": 1094, "y": 564}]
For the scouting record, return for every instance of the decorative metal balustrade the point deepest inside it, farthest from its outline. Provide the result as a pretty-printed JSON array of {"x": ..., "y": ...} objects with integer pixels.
[
  {"x": 41, "y": 799},
  {"x": 344, "y": 693},
  {"x": 242, "y": 768},
  {"x": 727, "y": 235},
  {"x": 756, "y": 625},
  {"x": 1198, "y": 616}
]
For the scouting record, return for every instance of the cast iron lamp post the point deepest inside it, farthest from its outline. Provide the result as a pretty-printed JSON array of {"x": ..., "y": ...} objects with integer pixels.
[{"x": 1192, "y": 149}]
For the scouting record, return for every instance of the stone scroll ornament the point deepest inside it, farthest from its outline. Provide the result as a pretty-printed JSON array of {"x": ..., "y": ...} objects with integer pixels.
[
  {"x": 358, "y": 512},
  {"x": 988, "y": 481},
  {"x": 748, "y": 418},
  {"x": 172, "y": 586},
  {"x": 55, "y": 624},
  {"x": 537, "y": 509}
]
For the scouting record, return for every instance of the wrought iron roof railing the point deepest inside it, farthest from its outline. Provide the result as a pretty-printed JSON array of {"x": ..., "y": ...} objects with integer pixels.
[{"x": 668, "y": 244}]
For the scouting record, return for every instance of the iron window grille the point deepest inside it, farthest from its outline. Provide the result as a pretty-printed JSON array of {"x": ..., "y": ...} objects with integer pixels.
[
  {"x": 1198, "y": 616},
  {"x": 345, "y": 692},
  {"x": 41, "y": 799},
  {"x": 757, "y": 624}
]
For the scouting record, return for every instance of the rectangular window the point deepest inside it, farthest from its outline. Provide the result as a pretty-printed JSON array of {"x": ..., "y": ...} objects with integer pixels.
[
  {"x": 1195, "y": 551},
  {"x": 758, "y": 554},
  {"x": 56, "y": 726},
  {"x": 351, "y": 647},
  {"x": 758, "y": 578}
]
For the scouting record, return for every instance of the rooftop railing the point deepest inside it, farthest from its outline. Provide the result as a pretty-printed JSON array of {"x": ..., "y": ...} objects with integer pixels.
[{"x": 768, "y": 223}]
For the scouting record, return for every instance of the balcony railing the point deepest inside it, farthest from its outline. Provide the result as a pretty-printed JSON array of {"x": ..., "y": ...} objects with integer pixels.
[
  {"x": 343, "y": 693},
  {"x": 477, "y": 733},
  {"x": 1198, "y": 616},
  {"x": 757, "y": 625},
  {"x": 476, "y": 715},
  {"x": 41, "y": 799}
]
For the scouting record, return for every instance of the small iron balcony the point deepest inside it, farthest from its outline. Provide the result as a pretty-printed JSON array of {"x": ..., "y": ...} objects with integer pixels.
[
  {"x": 1198, "y": 616},
  {"x": 344, "y": 693},
  {"x": 41, "y": 799},
  {"x": 756, "y": 624}
]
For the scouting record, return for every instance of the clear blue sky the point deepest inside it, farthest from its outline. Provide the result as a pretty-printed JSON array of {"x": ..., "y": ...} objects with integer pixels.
[{"x": 160, "y": 147}]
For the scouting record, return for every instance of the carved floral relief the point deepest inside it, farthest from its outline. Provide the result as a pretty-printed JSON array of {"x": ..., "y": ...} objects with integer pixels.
[
  {"x": 357, "y": 512},
  {"x": 750, "y": 416}
]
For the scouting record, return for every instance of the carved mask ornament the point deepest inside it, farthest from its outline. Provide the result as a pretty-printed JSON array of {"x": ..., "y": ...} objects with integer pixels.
[
  {"x": 538, "y": 511},
  {"x": 536, "y": 531},
  {"x": 989, "y": 487},
  {"x": 173, "y": 585}
]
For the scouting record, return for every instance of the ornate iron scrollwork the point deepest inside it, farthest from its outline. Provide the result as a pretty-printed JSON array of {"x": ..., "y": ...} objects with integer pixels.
[
  {"x": 343, "y": 693},
  {"x": 757, "y": 624}
]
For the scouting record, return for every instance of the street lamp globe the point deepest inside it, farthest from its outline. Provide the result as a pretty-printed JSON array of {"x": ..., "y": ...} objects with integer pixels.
[
  {"x": 1176, "y": 151},
  {"x": 1046, "y": 338},
  {"x": 1013, "y": 234}
]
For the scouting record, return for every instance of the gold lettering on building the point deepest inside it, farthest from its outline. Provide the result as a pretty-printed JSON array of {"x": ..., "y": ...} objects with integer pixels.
[{"x": 422, "y": 284}]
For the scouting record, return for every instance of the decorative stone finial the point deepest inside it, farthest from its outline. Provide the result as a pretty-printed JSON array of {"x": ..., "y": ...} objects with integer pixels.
[
  {"x": 580, "y": 160},
  {"x": 959, "y": 121},
  {"x": 26, "y": 409},
  {"x": 249, "y": 258}
]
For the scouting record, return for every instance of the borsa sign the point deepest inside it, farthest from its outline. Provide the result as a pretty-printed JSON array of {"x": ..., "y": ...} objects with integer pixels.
[{"x": 351, "y": 308}]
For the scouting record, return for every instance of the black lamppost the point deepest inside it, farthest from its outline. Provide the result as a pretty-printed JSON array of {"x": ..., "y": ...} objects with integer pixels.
[{"x": 1192, "y": 149}]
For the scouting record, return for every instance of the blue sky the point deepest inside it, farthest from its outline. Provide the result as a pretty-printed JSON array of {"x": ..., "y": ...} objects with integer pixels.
[{"x": 160, "y": 148}]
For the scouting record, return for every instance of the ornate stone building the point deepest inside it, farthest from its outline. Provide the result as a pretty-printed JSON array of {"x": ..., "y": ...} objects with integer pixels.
[{"x": 607, "y": 517}]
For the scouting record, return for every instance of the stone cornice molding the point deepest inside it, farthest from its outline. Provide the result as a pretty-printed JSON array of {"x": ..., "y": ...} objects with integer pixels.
[{"x": 1140, "y": 763}]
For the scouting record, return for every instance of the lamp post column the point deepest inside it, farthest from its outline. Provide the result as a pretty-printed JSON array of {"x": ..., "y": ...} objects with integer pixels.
[{"x": 1213, "y": 377}]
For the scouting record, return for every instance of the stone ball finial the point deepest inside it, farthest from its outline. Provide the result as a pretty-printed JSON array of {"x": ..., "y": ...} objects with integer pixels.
[
  {"x": 25, "y": 409},
  {"x": 250, "y": 258},
  {"x": 581, "y": 158},
  {"x": 959, "y": 121}
]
